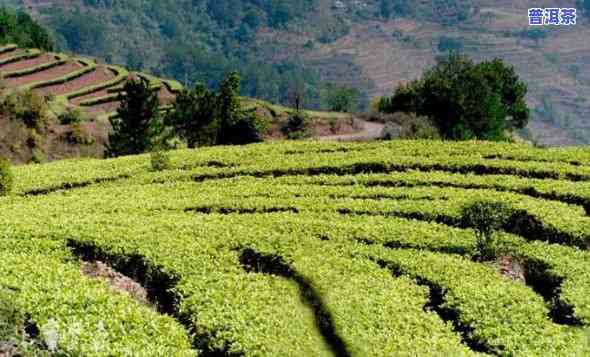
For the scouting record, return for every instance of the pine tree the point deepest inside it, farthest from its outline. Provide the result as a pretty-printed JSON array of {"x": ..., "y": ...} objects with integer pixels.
[{"x": 137, "y": 127}]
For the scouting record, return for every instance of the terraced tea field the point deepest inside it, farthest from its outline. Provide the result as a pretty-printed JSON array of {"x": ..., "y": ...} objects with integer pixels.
[
  {"x": 74, "y": 81},
  {"x": 304, "y": 249}
]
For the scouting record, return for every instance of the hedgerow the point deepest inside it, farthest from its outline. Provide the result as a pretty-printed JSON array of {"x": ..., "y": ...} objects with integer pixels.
[
  {"x": 24, "y": 55},
  {"x": 87, "y": 66},
  {"x": 307, "y": 248},
  {"x": 120, "y": 75},
  {"x": 57, "y": 61}
]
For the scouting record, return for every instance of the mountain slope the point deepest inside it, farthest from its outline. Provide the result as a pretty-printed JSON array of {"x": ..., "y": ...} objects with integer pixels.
[{"x": 370, "y": 45}]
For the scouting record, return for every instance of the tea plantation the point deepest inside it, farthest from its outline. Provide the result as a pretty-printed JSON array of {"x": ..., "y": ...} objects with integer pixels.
[{"x": 304, "y": 249}]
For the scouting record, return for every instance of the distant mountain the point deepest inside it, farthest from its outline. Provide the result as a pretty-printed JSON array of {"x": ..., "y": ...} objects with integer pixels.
[{"x": 371, "y": 45}]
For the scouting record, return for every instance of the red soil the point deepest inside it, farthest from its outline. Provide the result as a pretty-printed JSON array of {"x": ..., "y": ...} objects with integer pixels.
[
  {"x": 44, "y": 75},
  {"x": 101, "y": 74},
  {"x": 105, "y": 107},
  {"x": 10, "y": 53},
  {"x": 100, "y": 93},
  {"x": 165, "y": 96},
  {"x": 44, "y": 58}
]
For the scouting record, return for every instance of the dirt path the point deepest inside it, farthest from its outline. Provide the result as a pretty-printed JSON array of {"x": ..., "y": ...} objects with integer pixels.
[{"x": 370, "y": 131}]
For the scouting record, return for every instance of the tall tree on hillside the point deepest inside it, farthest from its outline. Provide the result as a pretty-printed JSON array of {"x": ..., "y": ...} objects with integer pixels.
[
  {"x": 228, "y": 106},
  {"x": 194, "y": 117},
  {"x": 137, "y": 127}
]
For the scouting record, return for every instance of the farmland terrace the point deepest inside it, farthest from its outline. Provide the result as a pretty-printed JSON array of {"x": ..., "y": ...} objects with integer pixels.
[{"x": 78, "y": 82}]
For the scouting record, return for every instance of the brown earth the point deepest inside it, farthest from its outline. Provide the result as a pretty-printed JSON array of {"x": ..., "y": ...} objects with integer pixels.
[
  {"x": 116, "y": 280},
  {"x": 44, "y": 58},
  {"x": 44, "y": 75},
  {"x": 101, "y": 74}
]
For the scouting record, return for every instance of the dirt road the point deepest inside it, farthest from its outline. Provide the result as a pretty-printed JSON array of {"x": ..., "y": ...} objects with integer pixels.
[{"x": 370, "y": 131}]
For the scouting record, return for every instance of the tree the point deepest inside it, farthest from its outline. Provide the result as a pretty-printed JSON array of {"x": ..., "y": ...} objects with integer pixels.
[
  {"x": 21, "y": 29},
  {"x": 194, "y": 116},
  {"x": 205, "y": 118},
  {"x": 466, "y": 100},
  {"x": 228, "y": 106},
  {"x": 340, "y": 99},
  {"x": 296, "y": 94},
  {"x": 137, "y": 128}
]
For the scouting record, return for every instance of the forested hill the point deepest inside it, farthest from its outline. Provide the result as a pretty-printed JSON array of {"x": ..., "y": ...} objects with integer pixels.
[{"x": 369, "y": 45}]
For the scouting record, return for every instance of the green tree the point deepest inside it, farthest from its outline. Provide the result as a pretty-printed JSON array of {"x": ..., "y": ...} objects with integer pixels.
[
  {"x": 466, "y": 100},
  {"x": 19, "y": 28},
  {"x": 194, "y": 116},
  {"x": 204, "y": 118},
  {"x": 340, "y": 99},
  {"x": 229, "y": 110},
  {"x": 138, "y": 127}
]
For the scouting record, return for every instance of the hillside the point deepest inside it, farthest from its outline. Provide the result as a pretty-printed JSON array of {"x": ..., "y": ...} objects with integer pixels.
[
  {"x": 300, "y": 249},
  {"x": 370, "y": 45},
  {"x": 81, "y": 94}
]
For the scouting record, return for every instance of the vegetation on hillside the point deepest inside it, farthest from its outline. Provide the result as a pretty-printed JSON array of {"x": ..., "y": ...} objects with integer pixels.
[
  {"x": 20, "y": 29},
  {"x": 465, "y": 100}
]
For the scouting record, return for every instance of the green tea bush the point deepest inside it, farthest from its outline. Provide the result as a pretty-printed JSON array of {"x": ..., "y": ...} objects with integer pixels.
[
  {"x": 486, "y": 218},
  {"x": 160, "y": 160},
  {"x": 6, "y": 177}
]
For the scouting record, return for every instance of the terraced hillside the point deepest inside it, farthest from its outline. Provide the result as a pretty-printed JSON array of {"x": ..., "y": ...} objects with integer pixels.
[
  {"x": 303, "y": 249},
  {"x": 73, "y": 81}
]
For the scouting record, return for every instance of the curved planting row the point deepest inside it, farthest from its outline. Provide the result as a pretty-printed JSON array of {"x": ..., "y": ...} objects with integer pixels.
[
  {"x": 309, "y": 249},
  {"x": 20, "y": 55}
]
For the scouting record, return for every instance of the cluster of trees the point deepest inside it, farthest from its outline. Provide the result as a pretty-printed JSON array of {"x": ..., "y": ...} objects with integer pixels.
[
  {"x": 465, "y": 100},
  {"x": 19, "y": 28},
  {"x": 190, "y": 40},
  {"x": 446, "y": 12},
  {"x": 200, "y": 116}
]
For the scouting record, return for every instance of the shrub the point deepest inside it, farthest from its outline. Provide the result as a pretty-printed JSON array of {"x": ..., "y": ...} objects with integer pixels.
[
  {"x": 71, "y": 116},
  {"x": 38, "y": 157},
  {"x": 298, "y": 126},
  {"x": 391, "y": 131},
  {"x": 485, "y": 218},
  {"x": 408, "y": 126},
  {"x": 249, "y": 128},
  {"x": 27, "y": 107},
  {"x": 160, "y": 160},
  {"x": 6, "y": 177}
]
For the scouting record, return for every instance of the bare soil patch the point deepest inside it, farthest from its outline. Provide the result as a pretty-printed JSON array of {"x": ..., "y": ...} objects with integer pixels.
[
  {"x": 44, "y": 58},
  {"x": 101, "y": 74},
  {"x": 511, "y": 268},
  {"x": 116, "y": 280},
  {"x": 47, "y": 74}
]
